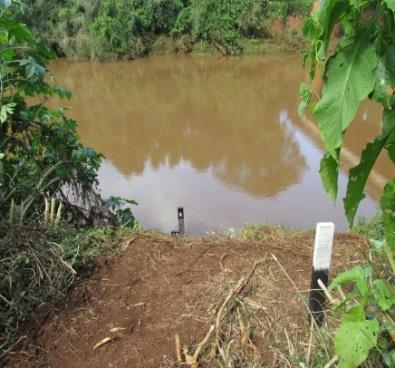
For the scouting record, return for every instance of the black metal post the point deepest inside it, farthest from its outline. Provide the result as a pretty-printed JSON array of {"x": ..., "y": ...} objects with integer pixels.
[
  {"x": 181, "y": 223},
  {"x": 317, "y": 297}
]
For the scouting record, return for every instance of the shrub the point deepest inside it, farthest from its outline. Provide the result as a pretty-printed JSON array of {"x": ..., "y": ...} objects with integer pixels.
[
  {"x": 118, "y": 28},
  {"x": 40, "y": 149}
]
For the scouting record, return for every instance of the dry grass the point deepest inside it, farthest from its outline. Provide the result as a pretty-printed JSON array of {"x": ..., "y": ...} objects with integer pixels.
[
  {"x": 32, "y": 272},
  {"x": 258, "y": 325},
  {"x": 256, "y": 233},
  {"x": 268, "y": 324},
  {"x": 38, "y": 265}
]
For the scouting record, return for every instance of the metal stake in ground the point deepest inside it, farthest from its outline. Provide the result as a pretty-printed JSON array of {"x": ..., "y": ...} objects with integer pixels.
[
  {"x": 181, "y": 224},
  {"x": 321, "y": 264}
]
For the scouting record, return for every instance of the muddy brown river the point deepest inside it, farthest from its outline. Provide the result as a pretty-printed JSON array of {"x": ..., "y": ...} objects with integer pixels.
[{"x": 219, "y": 136}]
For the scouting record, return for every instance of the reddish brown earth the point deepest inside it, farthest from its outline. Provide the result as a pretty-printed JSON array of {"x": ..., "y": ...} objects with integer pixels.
[{"x": 159, "y": 287}]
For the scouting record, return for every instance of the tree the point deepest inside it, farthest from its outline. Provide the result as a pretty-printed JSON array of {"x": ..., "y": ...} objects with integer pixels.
[{"x": 40, "y": 153}]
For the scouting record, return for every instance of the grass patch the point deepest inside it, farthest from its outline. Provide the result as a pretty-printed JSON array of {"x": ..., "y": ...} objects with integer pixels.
[
  {"x": 38, "y": 265},
  {"x": 284, "y": 42},
  {"x": 256, "y": 232},
  {"x": 370, "y": 227}
]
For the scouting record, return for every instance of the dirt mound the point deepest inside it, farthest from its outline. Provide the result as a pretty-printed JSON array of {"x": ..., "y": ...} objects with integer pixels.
[{"x": 160, "y": 287}]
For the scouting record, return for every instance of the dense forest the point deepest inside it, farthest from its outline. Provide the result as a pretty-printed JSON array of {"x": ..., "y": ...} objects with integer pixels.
[{"x": 104, "y": 29}]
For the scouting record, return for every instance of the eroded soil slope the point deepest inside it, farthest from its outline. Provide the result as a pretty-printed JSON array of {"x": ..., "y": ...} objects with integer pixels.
[{"x": 160, "y": 287}]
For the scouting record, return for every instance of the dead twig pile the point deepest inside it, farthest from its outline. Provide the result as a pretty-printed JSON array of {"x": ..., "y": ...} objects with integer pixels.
[
  {"x": 262, "y": 319},
  {"x": 229, "y": 341}
]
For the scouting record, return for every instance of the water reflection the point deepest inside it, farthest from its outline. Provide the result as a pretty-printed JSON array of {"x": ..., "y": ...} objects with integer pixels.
[
  {"x": 219, "y": 135},
  {"x": 212, "y": 114}
]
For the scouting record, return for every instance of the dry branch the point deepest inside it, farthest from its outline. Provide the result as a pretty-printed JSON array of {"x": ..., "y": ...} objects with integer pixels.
[
  {"x": 178, "y": 348},
  {"x": 232, "y": 294},
  {"x": 102, "y": 342},
  {"x": 203, "y": 342},
  {"x": 223, "y": 269},
  {"x": 332, "y": 362}
]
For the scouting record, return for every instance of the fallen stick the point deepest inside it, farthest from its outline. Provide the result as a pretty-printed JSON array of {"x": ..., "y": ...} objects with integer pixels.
[
  {"x": 328, "y": 294},
  {"x": 202, "y": 343},
  {"x": 117, "y": 329},
  {"x": 192, "y": 360},
  {"x": 308, "y": 354},
  {"x": 5, "y": 352},
  {"x": 245, "y": 338},
  {"x": 130, "y": 241},
  {"x": 232, "y": 294},
  {"x": 332, "y": 362},
  {"x": 223, "y": 269},
  {"x": 178, "y": 348},
  {"x": 102, "y": 342}
]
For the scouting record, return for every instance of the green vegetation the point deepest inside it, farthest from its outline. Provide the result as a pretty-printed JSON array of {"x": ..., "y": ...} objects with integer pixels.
[
  {"x": 39, "y": 264},
  {"x": 372, "y": 228},
  {"x": 40, "y": 153},
  {"x": 43, "y": 168},
  {"x": 115, "y": 29},
  {"x": 361, "y": 66}
]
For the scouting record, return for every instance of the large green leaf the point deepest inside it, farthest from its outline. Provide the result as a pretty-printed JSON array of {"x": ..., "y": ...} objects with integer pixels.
[
  {"x": 389, "y": 61},
  {"x": 380, "y": 93},
  {"x": 33, "y": 68},
  {"x": 329, "y": 171},
  {"x": 328, "y": 15},
  {"x": 16, "y": 30},
  {"x": 384, "y": 294},
  {"x": 389, "y": 358},
  {"x": 355, "y": 337},
  {"x": 360, "y": 173},
  {"x": 388, "y": 207},
  {"x": 357, "y": 275},
  {"x": 391, "y": 147},
  {"x": 344, "y": 88},
  {"x": 389, "y": 121},
  {"x": 391, "y": 4},
  {"x": 5, "y": 111}
]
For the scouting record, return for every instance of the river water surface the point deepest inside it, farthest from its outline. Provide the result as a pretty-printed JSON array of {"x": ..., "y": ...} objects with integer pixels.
[{"x": 219, "y": 136}]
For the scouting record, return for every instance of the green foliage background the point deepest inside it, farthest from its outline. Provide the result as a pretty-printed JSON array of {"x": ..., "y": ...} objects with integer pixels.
[
  {"x": 40, "y": 151},
  {"x": 129, "y": 28},
  {"x": 41, "y": 158}
]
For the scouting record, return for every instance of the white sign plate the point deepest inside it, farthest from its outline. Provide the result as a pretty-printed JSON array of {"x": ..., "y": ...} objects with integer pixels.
[{"x": 323, "y": 245}]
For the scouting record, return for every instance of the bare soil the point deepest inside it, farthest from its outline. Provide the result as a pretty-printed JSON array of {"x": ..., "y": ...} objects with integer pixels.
[{"x": 160, "y": 287}]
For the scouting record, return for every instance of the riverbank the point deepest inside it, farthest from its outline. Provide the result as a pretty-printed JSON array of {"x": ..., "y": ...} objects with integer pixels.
[
  {"x": 130, "y": 309},
  {"x": 130, "y": 29},
  {"x": 278, "y": 44},
  {"x": 281, "y": 43}
]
